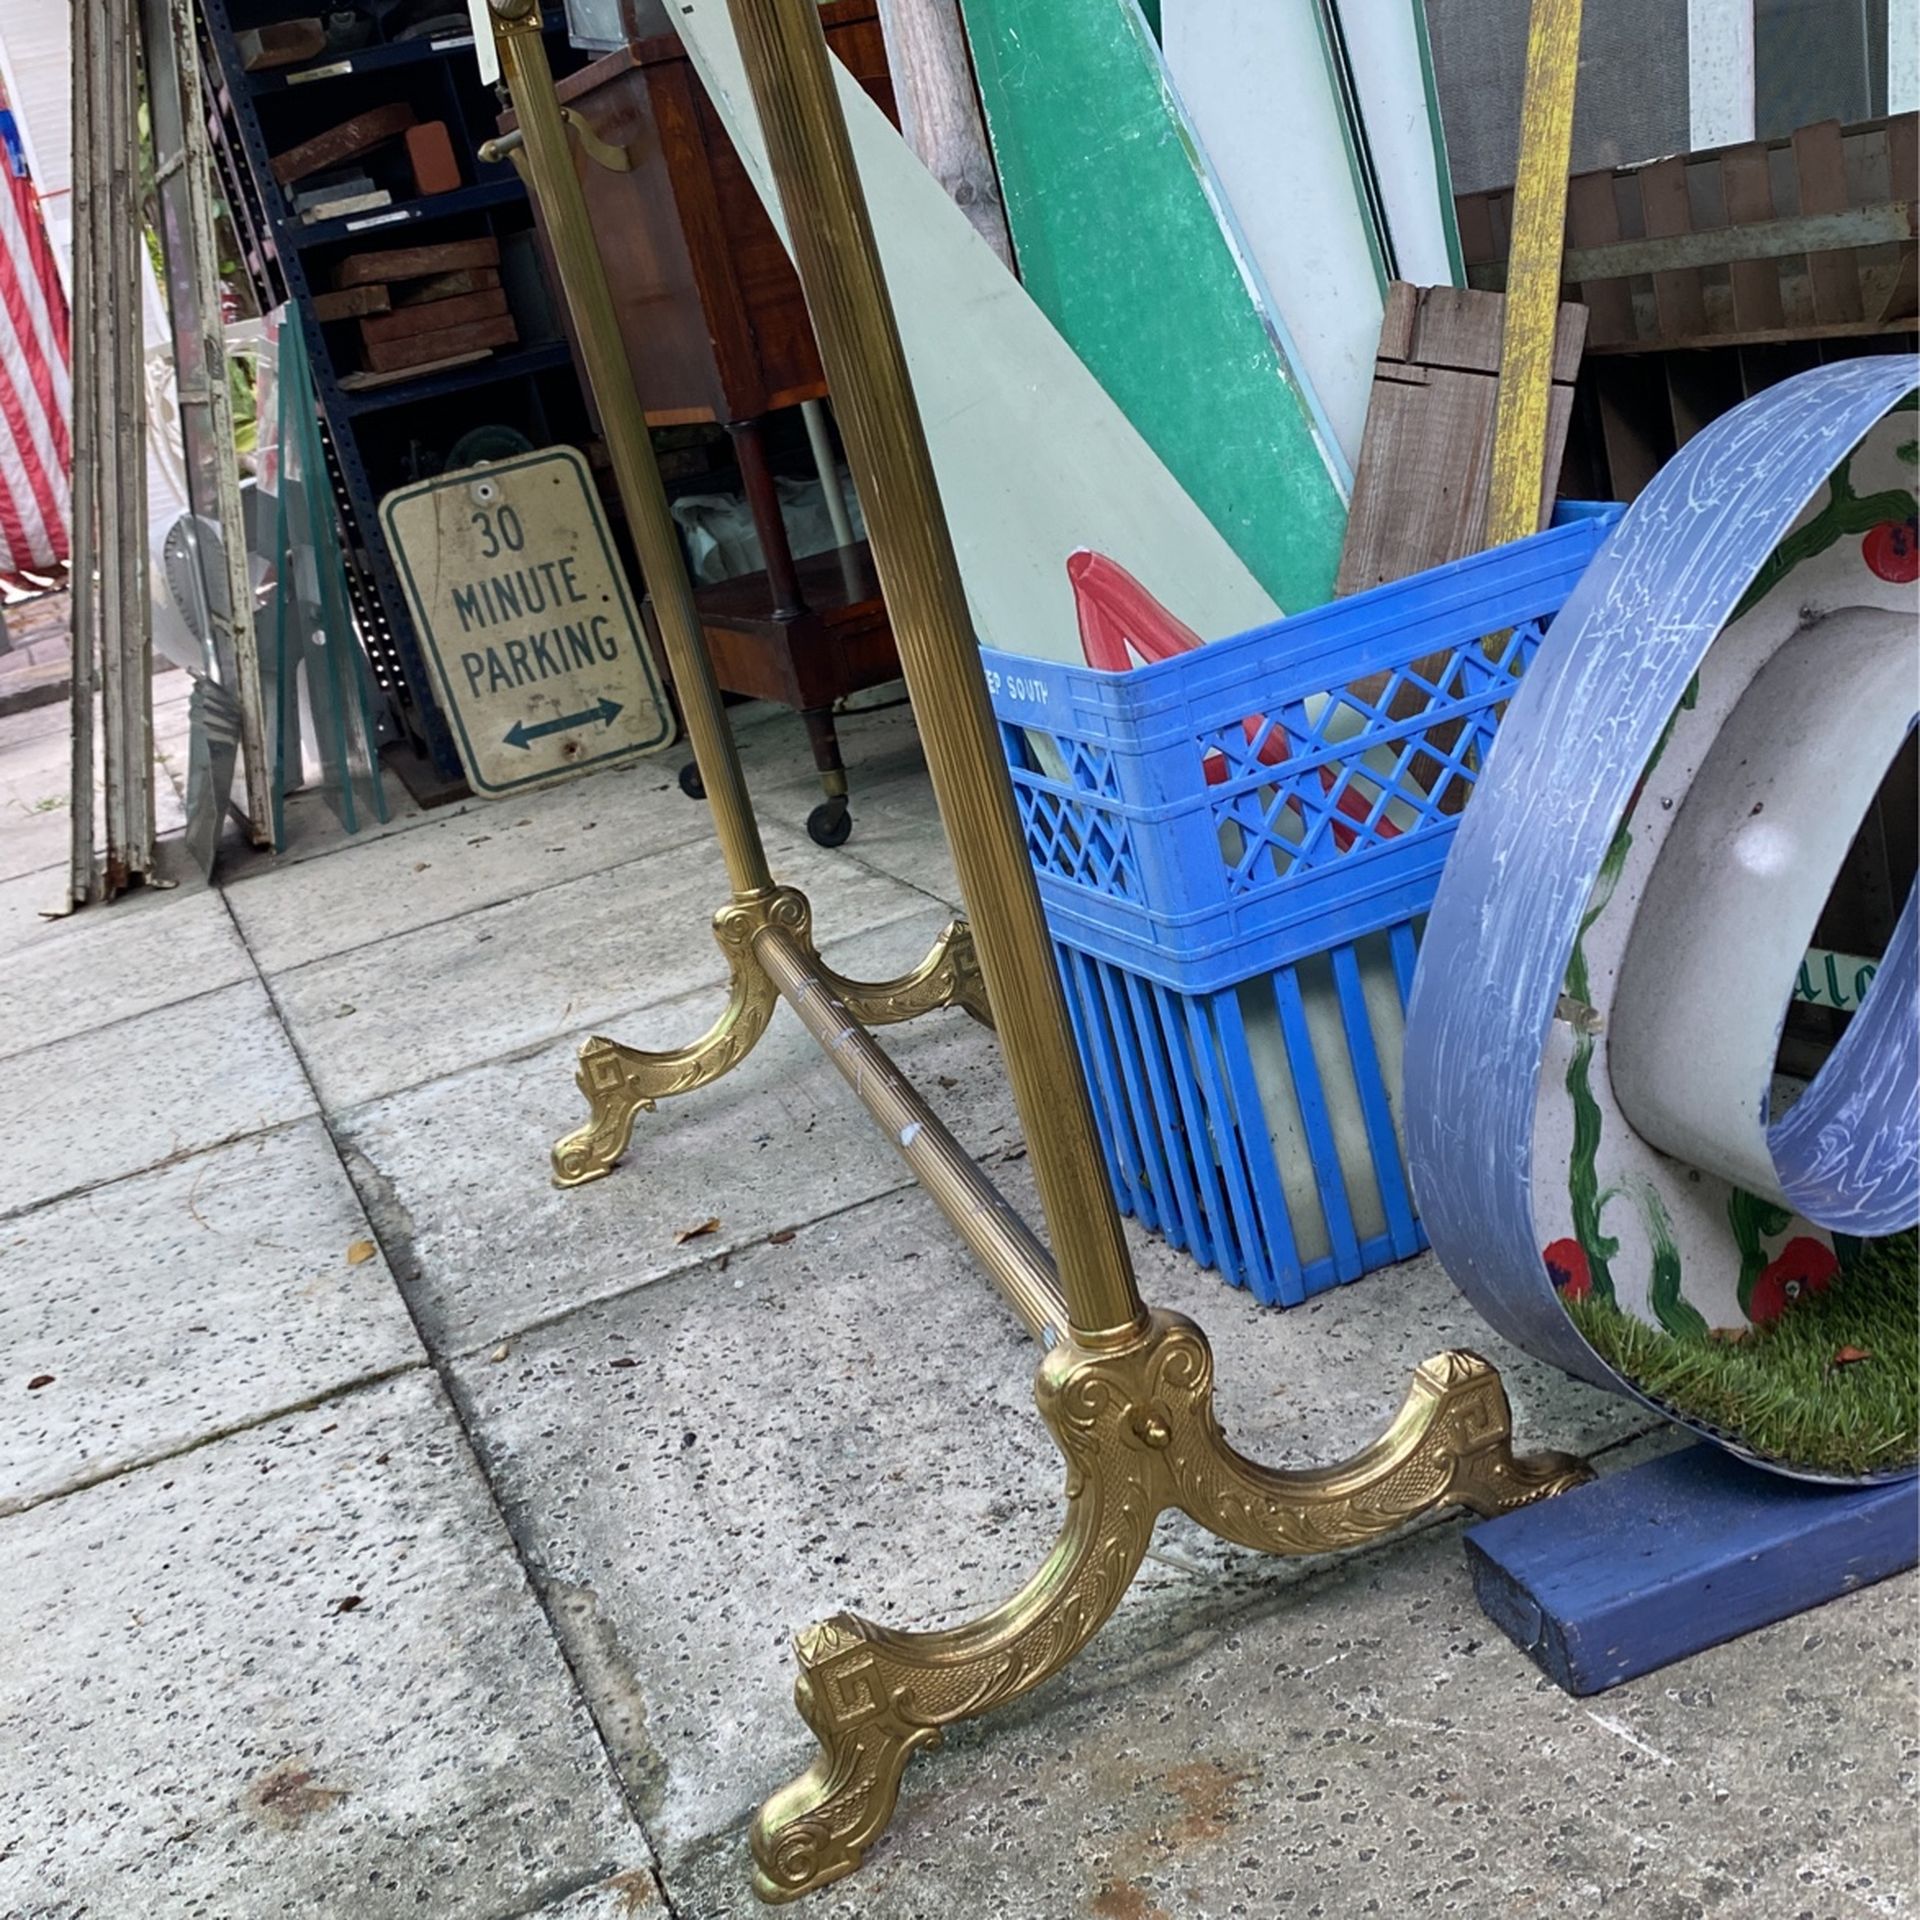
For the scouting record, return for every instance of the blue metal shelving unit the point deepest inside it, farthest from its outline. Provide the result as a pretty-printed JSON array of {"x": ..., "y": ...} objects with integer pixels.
[{"x": 377, "y": 438}]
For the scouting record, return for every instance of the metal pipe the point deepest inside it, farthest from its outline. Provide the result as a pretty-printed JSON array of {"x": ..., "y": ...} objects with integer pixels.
[
  {"x": 812, "y": 160},
  {"x": 86, "y": 462},
  {"x": 549, "y": 162},
  {"x": 828, "y": 468},
  {"x": 998, "y": 1238}
]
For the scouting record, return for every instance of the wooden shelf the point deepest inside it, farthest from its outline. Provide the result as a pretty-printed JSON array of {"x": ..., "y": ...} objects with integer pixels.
[
  {"x": 384, "y": 222},
  {"x": 837, "y": 585}
]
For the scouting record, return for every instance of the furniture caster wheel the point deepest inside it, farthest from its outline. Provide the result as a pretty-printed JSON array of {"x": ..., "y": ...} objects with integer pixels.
[
  {"x": 690, "y": 782},
  {"x": 829, "y": 824}
]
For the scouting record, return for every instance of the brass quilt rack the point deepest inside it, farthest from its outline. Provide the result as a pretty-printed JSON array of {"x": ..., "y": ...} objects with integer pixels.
[{"x": 1126, "y": 1391}]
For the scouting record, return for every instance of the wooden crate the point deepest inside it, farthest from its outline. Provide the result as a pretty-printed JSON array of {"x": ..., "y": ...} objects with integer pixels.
[{"x": 1808, "y": 238}]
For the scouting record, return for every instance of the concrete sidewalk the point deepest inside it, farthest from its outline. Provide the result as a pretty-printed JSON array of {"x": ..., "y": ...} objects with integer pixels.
[{"x": 385, "y": 1533}]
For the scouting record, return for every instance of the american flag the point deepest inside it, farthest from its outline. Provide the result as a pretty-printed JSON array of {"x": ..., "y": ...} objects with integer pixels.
[{"x": 35, "y": 390}]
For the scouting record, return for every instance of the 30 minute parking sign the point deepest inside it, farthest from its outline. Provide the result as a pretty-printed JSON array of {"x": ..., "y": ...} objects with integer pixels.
[{"x": 525, "y": 614}]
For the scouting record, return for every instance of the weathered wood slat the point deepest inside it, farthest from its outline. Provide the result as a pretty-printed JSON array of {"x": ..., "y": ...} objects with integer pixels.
[
  {"x": 1860, "y": 200},
  {"x": 1420, "y": 497},
  {"x": 1593, "y": 226},
  {"x": 1730, "y": 246},
  {"x": 1677, "y": 294},
  {"x": 1821, "y": 165},
  {"x": 1747, "y": 188},
  {"x": 1903, "y": 182}
]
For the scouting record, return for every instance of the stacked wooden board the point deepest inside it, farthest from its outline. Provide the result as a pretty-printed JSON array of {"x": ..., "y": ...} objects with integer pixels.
[{"x": 415, "y": 309}]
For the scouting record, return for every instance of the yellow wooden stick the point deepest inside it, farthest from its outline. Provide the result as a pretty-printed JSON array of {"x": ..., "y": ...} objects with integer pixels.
[{"x": 1533, "y": 272}]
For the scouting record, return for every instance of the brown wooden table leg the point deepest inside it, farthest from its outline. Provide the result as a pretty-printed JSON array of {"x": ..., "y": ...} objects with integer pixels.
[
  {"x": 763, "y": 503},
  {"x": 829, "y": 824}
]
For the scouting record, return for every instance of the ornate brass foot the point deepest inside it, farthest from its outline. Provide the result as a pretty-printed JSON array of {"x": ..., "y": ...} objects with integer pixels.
[
  {"x": 1139, "y": 1433},
  {"x": 620, "y": 1082},
  {"x": 948, "y": 977}
]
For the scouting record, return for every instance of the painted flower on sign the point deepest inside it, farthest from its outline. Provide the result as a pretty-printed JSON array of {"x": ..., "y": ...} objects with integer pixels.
[
  {"x": 1804, "y": 1266},
  {"x": 1568, "y": 1269},
  {"x": 1892, "y": 550}
]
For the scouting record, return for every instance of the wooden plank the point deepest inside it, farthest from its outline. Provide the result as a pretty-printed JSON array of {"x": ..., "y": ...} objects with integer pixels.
[
  {"x": 1763, "y": 337},
  {"x": 1421, "y": 497},
  {"x": 346, "y": 141},
  {"x": 1747, "y": 187},
  {"x": 1700, "y": 388},
  {"x": 1903, "y": 183},
  {"x": 1473, "y": 213},
  {"x": 1533, "y": 297},
  {"x": 415, "y": 263},
  {"x": 940, "y": 112},
  {"x": 434, "y": 316},
  {"x": 1820, "y": 163},
  {"x": 1676, "y": 292},
  {"x": 1593, "y": 222},
  {"x": 1115, "y": 220},
  {"x": 1780, "y": 239},
  {"x": 1634, "y": 1571},
  {"x": 1033, "y": 459},
  {"x": 443, "y": 343},
  {"x": 351, "y": 302},
  {"x": 1256, "y": 80}
]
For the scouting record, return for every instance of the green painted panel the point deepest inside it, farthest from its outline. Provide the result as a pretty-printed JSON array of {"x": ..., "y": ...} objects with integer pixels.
[{"x": 1115, "y": 221}]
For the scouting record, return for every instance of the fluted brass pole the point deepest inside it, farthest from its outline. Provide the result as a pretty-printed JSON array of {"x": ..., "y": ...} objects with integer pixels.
[
  {"x": 787, "y": 64},
  {"x": 529, "y": 78}
]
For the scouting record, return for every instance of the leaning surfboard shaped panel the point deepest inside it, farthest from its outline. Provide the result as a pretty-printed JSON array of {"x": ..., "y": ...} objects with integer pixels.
[
  {"x": 1116, "y": 220},
  {"x": 1033, "y": 458}
]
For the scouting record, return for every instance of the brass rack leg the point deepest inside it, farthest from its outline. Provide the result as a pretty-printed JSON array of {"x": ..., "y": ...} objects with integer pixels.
[
  {"x": 1138, "y": 1430},
  {"x": 948, "y": 977},
  {"x": 621, "y": 1082}
]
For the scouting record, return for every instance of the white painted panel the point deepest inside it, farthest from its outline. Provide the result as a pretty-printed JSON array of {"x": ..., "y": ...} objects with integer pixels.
[
  {"x": 1903, "y": 56},
  {"x": 1254, "y": 78},
  {"x": 1032, "y": 457},
  {"x": 36, "y": 66},
  {"x": 1719, "y": 72},
  {"x": 1383, "y": 40}
]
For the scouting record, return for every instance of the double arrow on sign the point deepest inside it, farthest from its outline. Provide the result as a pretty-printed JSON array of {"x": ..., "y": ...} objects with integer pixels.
[{"x": 521, "y": 735}]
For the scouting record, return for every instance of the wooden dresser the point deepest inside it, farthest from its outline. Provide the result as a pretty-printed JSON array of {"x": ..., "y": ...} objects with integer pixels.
[{"x": 716, "y": 330}]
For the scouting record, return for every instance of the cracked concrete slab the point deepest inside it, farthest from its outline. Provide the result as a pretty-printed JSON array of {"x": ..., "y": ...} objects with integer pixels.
[
  {"x": 529, "y": 970},
  {"x": 455, "y": 861},
  {"x": 1364, "y": 1746},
  {"x": 192, "y": 1300},
  {"x": 845, "y": 1421},
  {"x": 633, "y": 1895},
  {"x": 297, "y": 1671},
  {"x": 115, "y": 1100},
  {"x": 458, "y": 1174},
  {"x": 62, "y": 977}
]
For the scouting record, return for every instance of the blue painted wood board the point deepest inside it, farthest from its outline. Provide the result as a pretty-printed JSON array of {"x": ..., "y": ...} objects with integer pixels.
[{"x": 1648, "y": 1566}]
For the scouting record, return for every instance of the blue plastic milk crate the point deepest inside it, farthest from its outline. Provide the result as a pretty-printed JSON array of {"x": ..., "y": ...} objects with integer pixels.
[{"x": 1236, "y": 850}]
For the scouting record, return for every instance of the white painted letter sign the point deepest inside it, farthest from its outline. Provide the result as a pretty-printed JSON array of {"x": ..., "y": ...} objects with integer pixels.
[{"x": 522, "y": 608}]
